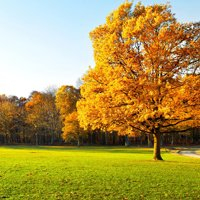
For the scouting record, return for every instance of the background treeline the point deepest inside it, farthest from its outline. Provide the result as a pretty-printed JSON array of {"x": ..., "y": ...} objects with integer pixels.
[{"x": 50, "y": 118}]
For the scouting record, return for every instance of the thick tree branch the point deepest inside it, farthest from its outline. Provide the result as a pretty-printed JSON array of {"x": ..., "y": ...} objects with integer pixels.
[{"x": 169, "y": 125}]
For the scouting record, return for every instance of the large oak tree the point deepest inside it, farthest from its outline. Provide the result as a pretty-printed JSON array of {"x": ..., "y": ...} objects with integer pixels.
[{"x": 146, "y": 76}]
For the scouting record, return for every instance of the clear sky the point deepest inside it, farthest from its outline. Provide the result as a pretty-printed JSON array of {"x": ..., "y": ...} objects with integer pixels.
[{"x": 46, "y": 42}]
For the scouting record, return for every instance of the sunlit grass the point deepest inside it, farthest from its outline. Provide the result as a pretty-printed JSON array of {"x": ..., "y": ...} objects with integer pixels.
[{"x": 96, "y": 173}]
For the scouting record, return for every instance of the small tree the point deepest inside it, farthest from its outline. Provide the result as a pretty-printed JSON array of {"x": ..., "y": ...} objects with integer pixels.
[
  {"x": 8, "y": 115},
  {"x": 146, "y": 76},
  {"x": 42, "y": 114},
  {"x": 66, "y": 99}
]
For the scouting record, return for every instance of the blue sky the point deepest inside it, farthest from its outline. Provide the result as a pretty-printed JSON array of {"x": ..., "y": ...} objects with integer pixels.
[{"x": 46, "y": 42}]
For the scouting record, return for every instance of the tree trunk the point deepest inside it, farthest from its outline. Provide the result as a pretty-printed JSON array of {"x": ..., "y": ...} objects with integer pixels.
[
  {"x": 36, "y": 139},
  {"x": 7, "y": 137},
  {"x": 127, "y": 143},
  {"x": 106, "y": 138},
  {"x": 172, "y": 141},
  {"x": 157, "y": 155},
  {"x": 113, "y": 138},
  {"x": 141, "y": 140},
  {"x": 78, "y": 140},
  {"x": 90, "y": 138},
  {"x": 52, "y": 138}
]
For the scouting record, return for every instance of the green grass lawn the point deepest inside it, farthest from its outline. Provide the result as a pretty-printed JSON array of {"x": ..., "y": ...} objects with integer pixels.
[{"x": 96, "y": 173}]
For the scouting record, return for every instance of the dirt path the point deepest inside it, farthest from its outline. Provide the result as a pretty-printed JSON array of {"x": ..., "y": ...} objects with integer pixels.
[{"x": 189, "y": 153}]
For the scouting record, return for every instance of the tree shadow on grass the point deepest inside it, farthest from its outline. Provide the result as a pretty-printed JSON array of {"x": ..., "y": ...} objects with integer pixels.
[
  {"x": 129, "y": 151},
  {"x": 87, "y": 149}
]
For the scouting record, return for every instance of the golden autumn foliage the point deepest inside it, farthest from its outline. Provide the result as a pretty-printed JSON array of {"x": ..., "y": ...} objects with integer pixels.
[
  {"x": 34, "y": 109},
  {"x": 66, "y": 99},
  {"x": 71, "y": 129},
  {"x": 43, "y": 114},
  {"x": 146, "y": 76},
  {"x": 8, "y": 115}
]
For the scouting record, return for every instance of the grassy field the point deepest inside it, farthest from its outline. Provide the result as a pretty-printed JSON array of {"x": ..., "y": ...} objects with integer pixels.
[{"x": 96, "y": 173}]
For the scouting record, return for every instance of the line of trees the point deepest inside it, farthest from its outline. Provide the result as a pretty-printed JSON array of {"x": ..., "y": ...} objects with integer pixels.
[
  {"x": 32, "y": 121},
  {"x": 50, "y": 118}
]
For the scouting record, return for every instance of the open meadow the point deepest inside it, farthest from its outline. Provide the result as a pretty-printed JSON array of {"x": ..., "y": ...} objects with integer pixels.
[{"x": 96, "y": 173}]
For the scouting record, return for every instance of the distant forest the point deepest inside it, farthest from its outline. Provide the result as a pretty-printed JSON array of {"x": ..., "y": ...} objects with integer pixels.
[{"x": 38, "y": 120}]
